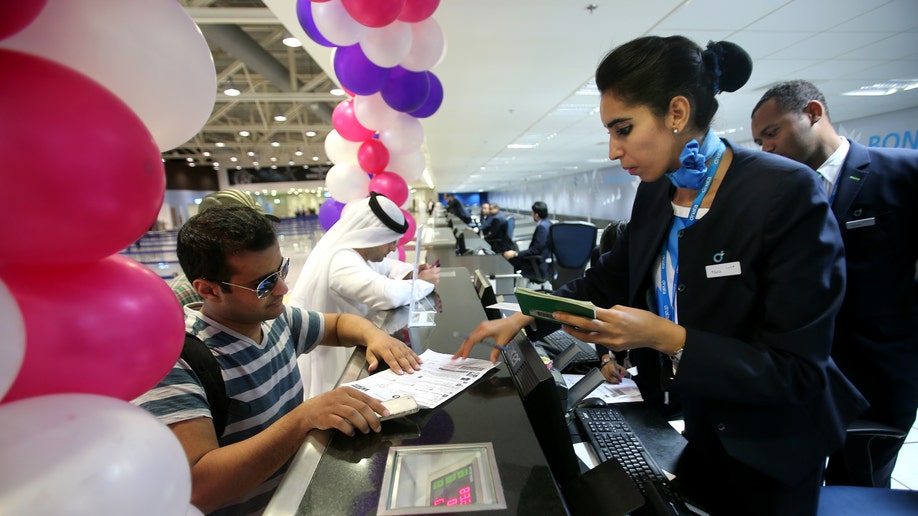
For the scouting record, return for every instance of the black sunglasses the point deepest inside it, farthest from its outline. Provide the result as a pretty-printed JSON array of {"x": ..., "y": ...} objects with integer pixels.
[{"x": 266, "y": 286}]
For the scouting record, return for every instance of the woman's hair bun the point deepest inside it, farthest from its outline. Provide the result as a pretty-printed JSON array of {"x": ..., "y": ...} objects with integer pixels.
[{"x": 734, "y": 63}]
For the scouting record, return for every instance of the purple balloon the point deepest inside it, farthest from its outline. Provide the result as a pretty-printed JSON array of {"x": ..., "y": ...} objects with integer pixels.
[
  {"x": 329, "y": 213},
  {"x": 406, "y": 90},
  {"x": 304, "y": 15},
  {"x": 432, "y": 104},
  {"x": 358, "y": 74}
]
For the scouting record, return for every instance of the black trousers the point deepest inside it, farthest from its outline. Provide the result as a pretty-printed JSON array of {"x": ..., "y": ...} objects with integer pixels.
[{"x": 723, "y": 486}]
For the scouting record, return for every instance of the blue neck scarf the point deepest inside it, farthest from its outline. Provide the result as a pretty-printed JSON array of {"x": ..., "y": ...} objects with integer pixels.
[{"x": 693, "y": 157}]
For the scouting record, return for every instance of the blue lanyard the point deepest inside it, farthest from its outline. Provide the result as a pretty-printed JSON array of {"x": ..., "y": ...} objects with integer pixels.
[{"x": 666, "y": 295}]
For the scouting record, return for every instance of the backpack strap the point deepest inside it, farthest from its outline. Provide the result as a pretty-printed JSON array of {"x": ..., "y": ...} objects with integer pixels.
[{"x": 204, "y": 364}]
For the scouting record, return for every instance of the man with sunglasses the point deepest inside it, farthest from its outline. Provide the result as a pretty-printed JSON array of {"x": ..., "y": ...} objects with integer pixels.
[
  {"x": 181, "y": 286},
  {"x": 350, "y": 270},
  {"x": 234, "y": 257}
]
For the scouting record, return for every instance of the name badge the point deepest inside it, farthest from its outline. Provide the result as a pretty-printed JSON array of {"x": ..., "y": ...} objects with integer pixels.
[
  {"x": 719, "y": 270},
  {"x": 862, "y": 223}
]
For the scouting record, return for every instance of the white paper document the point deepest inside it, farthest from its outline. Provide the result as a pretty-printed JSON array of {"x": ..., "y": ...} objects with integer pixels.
[
  {"x": 439, "y": 379},
  {"x": 624, "y": 392}
]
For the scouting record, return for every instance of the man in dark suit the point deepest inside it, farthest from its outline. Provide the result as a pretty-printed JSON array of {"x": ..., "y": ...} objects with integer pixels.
[
  {"x": 538, "y": 246},
  {"x": 484, "y": 223},
  {"x": 498, "y": 231},
  {"x": 873, "y": 192}
]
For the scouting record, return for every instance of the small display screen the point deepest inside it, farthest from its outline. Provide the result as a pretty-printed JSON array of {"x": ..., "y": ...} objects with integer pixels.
[{"x": 454, "y": 488}]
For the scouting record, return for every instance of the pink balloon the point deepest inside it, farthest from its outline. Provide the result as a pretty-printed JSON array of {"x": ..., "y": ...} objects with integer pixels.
[
  {"x": 346, "y": 123},
  {"x": 401, "y": 253},
  {"x": 374, "y": 13},
  {"x": 100, "y": 173},
  {"x": 14, "y": 16},
  {"x": 412, "y": 229},
  {"x": 373, "y": 156},
  {"x": 391, "y": 185},
  {"x": 110, "y": 327},
  {"x": 418, "y": 10}
]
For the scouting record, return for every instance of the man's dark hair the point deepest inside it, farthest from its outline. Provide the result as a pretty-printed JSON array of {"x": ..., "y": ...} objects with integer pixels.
[
  {"x": 208, "y": 238},
  {"x": 540, "y": 209},
  {"x": 793, "y": 96}
]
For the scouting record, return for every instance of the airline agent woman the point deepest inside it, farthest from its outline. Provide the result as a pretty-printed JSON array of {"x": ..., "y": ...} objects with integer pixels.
[{"x": 724, "y": 287}]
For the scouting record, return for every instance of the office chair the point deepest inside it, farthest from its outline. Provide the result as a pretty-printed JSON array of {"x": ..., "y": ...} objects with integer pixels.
[
  {"x": 834, "y": 500},
  {"x": 571, "y": 244}
]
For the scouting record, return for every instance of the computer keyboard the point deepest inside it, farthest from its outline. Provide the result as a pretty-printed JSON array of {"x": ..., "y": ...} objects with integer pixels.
[
  {"x": 612, "y": 438},
  {"x": 557, "y": 342}
]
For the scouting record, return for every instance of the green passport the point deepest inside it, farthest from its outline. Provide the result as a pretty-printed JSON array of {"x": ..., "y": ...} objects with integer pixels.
[{"x": 541, "y": 305}]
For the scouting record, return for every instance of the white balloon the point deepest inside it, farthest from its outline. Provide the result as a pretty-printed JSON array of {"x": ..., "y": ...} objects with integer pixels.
[
  {"x": 404, "y": 136},
  {"x": 427, "y": 46},
  {"x": 12, "y": 339},
  {"x": 373, "y": 112},
  {"x": 347, "y": 182},
  {"x": 149, "y": 53},
  {"x": 340, "y": 150},
  {"x": 334, "y": 22},
  {"x": 74, "y": 454},
  {"x": 410, "y": 166},
  {"x": 387, "y": 46}
]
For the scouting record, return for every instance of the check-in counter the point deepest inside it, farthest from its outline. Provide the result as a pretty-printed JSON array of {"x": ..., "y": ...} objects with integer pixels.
[{"x": 336, "y": 474}]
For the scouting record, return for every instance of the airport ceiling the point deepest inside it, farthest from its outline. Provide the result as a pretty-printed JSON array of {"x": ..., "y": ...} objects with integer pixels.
[{"x": 519, "y": 72}]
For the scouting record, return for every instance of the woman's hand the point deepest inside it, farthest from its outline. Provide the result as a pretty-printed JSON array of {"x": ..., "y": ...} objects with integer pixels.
[
  {"x": 501, "y": 330},
  {"x": 611, "y": 370},
  {"x": 621, "y": 328}
]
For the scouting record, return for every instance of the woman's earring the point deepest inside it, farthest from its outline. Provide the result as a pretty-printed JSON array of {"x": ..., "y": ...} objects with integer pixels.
[{"x": 675, "y": 131}]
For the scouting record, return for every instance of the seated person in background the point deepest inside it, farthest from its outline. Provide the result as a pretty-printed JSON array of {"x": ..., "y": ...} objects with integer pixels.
[
  {"x": 607, "y": 239},
  {"x": 180, "y": 285},
  {"x": 538, "y": 246},
  {"x": 234, "y": 257},
  {"x": 485, "y": 221},
  {"x": 350, "y": 271},
  {"x": 498, "y": 236}
]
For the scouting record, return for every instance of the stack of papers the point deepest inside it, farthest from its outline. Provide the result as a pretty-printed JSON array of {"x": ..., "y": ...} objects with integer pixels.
[{"x": 439, "y": 379}]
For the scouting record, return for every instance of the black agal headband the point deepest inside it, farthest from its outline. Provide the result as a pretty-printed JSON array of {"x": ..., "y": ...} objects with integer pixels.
[{"x": 384, "y": 217}]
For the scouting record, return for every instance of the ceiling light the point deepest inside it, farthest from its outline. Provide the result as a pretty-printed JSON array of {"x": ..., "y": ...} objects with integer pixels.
[
  {"x": 250, "y": 153},
  {"x": 233, "y": 159},
  {"x": 291, "y": 41},
  {"x": 275, "y": 144},
  {"x": 230, "y": 89},
  {"x": 338, "y": 92},
  {"x": 522, "y": 146},
  {"x": 279, "y": 117},
  {"x": 310, "y": 133},
  {"x": 298, "y": 152},
  {"x": 206, "y": 154},
  {"x": 189, "y": 159},
  {"x": 315, "y": 158},
  {"x": 244, "y": 133},
  {"x": 884, "y": 88},
  {"x": 220, "y": 144},
  {"x": 273, "y": 158}
]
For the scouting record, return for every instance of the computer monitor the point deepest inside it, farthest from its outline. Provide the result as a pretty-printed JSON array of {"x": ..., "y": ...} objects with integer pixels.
[
  {"x": 536, "y": 387},
  {"x": 486, "y": 294},
  {"x": 583, "y": 491},
  {"x": 460, "y": 245}
]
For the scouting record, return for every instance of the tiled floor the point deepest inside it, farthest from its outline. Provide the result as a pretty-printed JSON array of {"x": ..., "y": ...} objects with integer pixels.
[{"x": 905, "y": 476}]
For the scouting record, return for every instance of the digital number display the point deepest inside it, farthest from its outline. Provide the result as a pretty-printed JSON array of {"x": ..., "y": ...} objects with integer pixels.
[{"x": 454, "y": 488}]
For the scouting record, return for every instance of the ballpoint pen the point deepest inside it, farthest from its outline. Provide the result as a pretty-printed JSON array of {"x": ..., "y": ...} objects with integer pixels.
[{"x": 463, "y": 336}]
